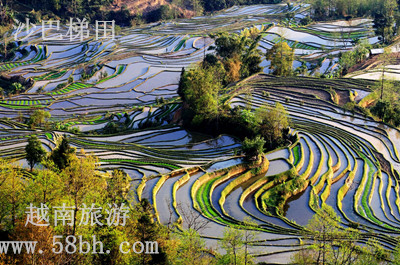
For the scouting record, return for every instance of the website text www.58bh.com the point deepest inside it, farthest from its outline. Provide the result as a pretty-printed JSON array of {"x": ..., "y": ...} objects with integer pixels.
[{"x": 72, "y": 244}]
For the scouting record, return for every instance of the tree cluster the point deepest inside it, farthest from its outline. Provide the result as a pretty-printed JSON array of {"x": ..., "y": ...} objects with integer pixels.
[
  {"x": 205, "y": 106},
  {"x": 75, "y": 180},
  {"x": 387, "y": 112},
  {"x": 353, "y": 57},
  {"x": 330, "y": 243},
  {"x": 236, "y": 57}
]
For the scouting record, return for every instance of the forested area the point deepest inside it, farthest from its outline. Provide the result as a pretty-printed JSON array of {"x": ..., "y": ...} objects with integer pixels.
[
  {"x": 67, "y": 179},
  {"x": 204, "y": 88}
]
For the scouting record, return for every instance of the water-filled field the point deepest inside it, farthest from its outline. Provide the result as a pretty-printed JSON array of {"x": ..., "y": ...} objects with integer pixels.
[{"x": 351, "y": 162}]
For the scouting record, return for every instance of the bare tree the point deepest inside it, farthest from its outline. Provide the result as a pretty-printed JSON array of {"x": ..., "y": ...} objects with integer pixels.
[{"x": 192, "y": 218}]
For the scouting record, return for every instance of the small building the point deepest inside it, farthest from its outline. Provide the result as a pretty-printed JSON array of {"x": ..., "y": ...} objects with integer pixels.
[{"x": 376, "y": 51}]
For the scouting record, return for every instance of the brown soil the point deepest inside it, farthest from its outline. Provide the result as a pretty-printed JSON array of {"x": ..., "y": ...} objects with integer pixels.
[
  {"x": 319, "y": 93},
  {"x": 373, "y": 62},
  {"x": 145, "y": 6},
  {"x": 385, "y": 165},
  {"x": 343, "y": 97}
]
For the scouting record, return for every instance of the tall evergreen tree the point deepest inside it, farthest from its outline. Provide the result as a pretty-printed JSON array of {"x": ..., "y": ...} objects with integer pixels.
[
  {"x": 60, "y": 155},
  {"x": 34, "y": 151},
  {"x": 384, "y": 20}
]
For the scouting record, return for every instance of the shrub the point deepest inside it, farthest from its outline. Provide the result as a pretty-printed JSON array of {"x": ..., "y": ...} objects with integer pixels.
[{"x": 253, "y": 148}]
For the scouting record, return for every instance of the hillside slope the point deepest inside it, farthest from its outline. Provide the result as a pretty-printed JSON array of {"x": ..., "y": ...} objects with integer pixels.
[{"x": 146, "y": 6}]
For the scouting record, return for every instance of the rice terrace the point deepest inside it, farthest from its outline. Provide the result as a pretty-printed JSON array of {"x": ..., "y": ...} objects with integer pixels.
[{"x": 130, "y": 104}]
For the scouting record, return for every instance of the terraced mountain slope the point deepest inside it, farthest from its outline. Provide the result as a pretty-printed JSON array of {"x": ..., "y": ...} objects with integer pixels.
[{"x": 349, "y": 161}]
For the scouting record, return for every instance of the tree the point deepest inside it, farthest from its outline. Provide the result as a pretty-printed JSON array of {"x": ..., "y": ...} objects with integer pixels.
[
  {"x": 200, "y": 87},
  {"x": 118, "y": 186},
  {"x": 386, "y": 59},
  {"x": 232, "y": 67},
  {"x": 43, "y": 236},
  {"x": 197, "y": 7},
  {"x": 249, "y": 235},
  {"x": 320, "y": 9},
  {"x": 17, "y": 87},
  {"x": 178, "y": 4},
  {"x": 239, "y": 53},
  {"x": 357, "y": 55},
  {"x": 5, "y": 37},
  {"x": 38, "y": 117},
  {"x": 281, "y": 57},
  {"x": 191, "y": 249},
  {"x": 374, "y": 254},
  {"x": 47, "y": 187},
  {"x": 145, "y": 229},
  {"x": 232, "y": 243},
  {"x": 76, "y": 7},
  {"x": 323, "y": 227},
  {"x": 181, "y": 84},
  {"x": 383, "y": 14},
  {"x": 331, "y": 244},
  {"x": 81, "y": 181},
  {"x": 253, "y": 148},
  {"x": 210, "y": 6},
  {"x": 34, "y": 151},
  {"x": 387, "y": 112},
  {"x": 192, "y": 219},
  {"x": 361, "y": 50},
  {"x": 61, "y": 154},
  {"x": 272, "y": 121},
  {"x": 12, "y": 193},
  {"x": 396, "y": 255}
]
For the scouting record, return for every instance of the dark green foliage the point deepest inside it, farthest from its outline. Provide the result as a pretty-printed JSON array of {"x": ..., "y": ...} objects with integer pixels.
[
  {"x": 5, "y": 16},
  {"x": 227, "y": 45},
  {"x": 112, "y": 127},
  {"x": 10, "y": 87},
  {"x": 305, "y": 21},
  {"x": 147, "y": 230},
  {"x": 181, "y": 84},
  {"x": 253, "y": 148},
  {"x": 236, "y": 57},
  {"x": 38, "y": 118},
  {"x": 351, "y": 58},
  {"x": 286, "y": 184},
  {"x": 383, "y": 14},
  {"x": 238, "y": 53},
  {"x": 34, "y": 151},
  {"x": 164, "y": 12},
  {"x": 380, "y": 109},
  {"x": 199, "y": 88},
  {"x": 210, "y": 60},
  {"x": 214, "y": 5},
  {"x": 337, "y": 9},
  {"x": 387, "y": 112},
  {"x": 60, "y": 155}
]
